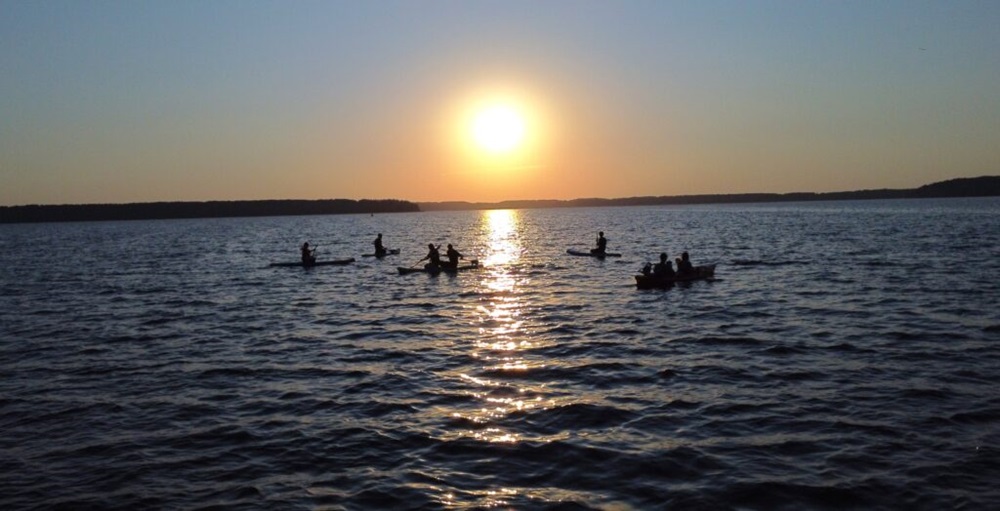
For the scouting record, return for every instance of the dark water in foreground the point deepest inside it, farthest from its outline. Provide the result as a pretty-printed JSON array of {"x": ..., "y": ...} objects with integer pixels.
[{"x": 847, "y": 357}]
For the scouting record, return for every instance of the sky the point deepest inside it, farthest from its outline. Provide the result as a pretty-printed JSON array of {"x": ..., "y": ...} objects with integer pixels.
[{"x": 191, "y": 100}]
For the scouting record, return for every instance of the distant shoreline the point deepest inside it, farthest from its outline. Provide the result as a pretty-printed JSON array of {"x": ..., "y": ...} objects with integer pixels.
[
  {"x": 985, "y": 186},
  {"x": 211, "y": 209}
]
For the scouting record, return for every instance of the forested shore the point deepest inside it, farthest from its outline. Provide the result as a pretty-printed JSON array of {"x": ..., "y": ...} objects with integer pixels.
[
  {"x": 210, "y": 209},
  {"x": 985, "y": 186}
]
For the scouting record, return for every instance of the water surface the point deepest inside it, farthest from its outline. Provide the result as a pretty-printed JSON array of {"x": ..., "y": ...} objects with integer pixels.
[{"x": 846, "y": 356}]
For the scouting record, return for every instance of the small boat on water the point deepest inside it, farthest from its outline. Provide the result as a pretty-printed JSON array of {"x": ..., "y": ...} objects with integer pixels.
[
  {"x": 394, "y": 251},
  {"x": 587, "y": 253},
  {"x": 657, "y": 282},
  {"x": 472, "y": 265},
  {"x": 329, "y": 262}
]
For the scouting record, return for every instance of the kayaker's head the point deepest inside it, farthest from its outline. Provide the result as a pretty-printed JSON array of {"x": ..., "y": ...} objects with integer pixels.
[
  {"x": 430, "y": 246},
  {"x": 601, "y": 234},
  {"x": 449, "y": 246},
  {"x": 663, "y": 257},
  {"x": 379, "y": 235},
  {"x": 684, "y": 256}
]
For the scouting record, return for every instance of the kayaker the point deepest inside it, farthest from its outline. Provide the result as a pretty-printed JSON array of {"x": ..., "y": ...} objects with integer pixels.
[
  {"x": 684, "y": 266},
  {"x": 433, "y": 257},
  {"x": 663, "y": 268},
  {"x": 379, "y": 248},
  {"x": 308, "y": 255},
  {"x": 453, "y": 257},
  {"x": 602, "y": 244}
]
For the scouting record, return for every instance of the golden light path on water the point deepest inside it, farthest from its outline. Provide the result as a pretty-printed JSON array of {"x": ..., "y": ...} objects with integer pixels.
[
  {"x": 501, "y": 339},
  {"x": 506, "y": 393},
  {"x": 499, "y": 387}
]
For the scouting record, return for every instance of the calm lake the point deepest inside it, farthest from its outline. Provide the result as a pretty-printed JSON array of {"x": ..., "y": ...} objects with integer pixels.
[{"x": 847, "y": 356}]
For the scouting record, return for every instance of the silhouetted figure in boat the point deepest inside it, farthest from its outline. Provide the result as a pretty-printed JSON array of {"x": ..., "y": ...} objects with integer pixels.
[
  {"x": 602, "y": 245},
  {"x": 380, "y": 250},
  {"x": 453, "y": 257},
  {"x": 664, "y": 268},
  {"x": 308, "y": 255},
  {"x": 684, "y": 266},
  {"x": 433, "y": 257}
]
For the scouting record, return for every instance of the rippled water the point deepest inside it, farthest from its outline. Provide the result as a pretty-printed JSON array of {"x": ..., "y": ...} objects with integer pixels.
[{"x": 847, "y": 356}]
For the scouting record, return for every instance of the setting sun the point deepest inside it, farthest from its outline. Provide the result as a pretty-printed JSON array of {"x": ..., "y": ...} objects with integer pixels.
[
  {"x": 500, "y": 132},
  {"x": 498, "y": 128}
]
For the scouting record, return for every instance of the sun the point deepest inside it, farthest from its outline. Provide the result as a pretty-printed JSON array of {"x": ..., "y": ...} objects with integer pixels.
[{"x": 498, "y": 128}]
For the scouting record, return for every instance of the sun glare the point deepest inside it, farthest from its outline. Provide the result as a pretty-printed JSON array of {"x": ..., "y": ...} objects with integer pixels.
[
  {"x": 498, "y": 128},
  {"x": 501, "y": 134}
]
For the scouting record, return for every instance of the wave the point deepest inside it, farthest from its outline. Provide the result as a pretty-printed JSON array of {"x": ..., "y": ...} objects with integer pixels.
[
  {"x": 234, "y": 386},
  {"x": 759, "y": 262}
]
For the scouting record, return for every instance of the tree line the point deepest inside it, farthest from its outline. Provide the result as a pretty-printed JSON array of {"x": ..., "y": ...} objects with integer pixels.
[
  {"x": 985, "y": 186},
  {"x": 211, "y": 209}
]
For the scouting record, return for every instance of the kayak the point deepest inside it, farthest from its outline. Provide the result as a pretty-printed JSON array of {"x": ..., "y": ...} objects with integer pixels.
[
  {"x": 657, "y": 282},
  {"x": 318, "y": 263},
  {"x": 587, "y": 253},
  {"x": 473, "y": 264},
  {"x": 394, "y": 251}
]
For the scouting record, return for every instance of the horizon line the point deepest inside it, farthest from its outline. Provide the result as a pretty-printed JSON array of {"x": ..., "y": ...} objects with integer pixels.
[{"x": 506, "y": 201}]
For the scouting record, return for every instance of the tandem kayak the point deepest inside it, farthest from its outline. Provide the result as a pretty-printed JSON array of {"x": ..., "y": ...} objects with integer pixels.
[
  {"x": 318, "y": 263},
  {"x": 394, "y": 251},
  {"x": 473, "y": 265},
  {"x": 587, "y": 253},
  {"x": 657, "y": 282}
]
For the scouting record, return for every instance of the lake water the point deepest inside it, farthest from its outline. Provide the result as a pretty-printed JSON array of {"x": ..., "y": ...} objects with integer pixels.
[{"x": 846, "y": 357}]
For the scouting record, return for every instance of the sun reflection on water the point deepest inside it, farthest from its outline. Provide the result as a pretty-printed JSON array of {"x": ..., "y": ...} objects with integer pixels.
[
  {"x": 502, "y": 343},
  {"x": 502, "y": 237}
]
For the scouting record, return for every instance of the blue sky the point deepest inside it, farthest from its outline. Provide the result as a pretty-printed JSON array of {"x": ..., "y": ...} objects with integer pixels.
[{"x": 132, "y": 101}]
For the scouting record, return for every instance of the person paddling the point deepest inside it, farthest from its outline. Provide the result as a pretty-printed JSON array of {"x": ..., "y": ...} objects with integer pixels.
[
  {"x": 684, "y": 267},
  {"x": 380, "y": 250},
  {"x": 663, "y": 268},
  {"x": 602, "y": 245},
  {"x": 308, "y": 255},
  {"x": 453, "y": 257},
  {"x": 433, "y": 257}
]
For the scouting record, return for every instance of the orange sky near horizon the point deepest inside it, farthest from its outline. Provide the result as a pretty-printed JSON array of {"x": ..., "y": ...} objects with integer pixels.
[{"x": 130, "y": 102}]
